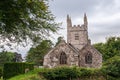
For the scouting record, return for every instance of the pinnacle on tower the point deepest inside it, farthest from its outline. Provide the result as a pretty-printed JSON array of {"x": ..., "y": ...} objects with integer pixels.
[
  {"x": 85, "y": 19},
  {"x": 69, "y": 23},
  {"x": 67, "y": 17}
]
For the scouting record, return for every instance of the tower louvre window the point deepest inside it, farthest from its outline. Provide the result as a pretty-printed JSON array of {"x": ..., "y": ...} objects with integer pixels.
[{"x": 76, "y": 36}]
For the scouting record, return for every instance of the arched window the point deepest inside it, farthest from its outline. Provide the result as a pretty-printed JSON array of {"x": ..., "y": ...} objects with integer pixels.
[
  {"x": 63, "y": 58},
  {"x": 88, "y": 58}
]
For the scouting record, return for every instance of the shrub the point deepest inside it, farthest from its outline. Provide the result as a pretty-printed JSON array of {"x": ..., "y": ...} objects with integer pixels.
[
  {"x": 112, "y": 68},
  {"x": 1, "y": 72},
  {"x": 60, "y": 73},
  {"x": 70, "y": 73},
  {"x": 12, "y": 69}
]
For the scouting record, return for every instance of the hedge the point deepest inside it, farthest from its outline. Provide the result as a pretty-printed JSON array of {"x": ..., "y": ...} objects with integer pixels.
[
  {"x": 1, "y": 72},
  {"x": 109, "y": 72},
  {"x": 71, "y": 73},
  {"x": 13, "y": 69}
]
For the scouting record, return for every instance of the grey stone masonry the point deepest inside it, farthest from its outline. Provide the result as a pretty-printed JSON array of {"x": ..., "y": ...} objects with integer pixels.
[{"x": 78, "y": 50}]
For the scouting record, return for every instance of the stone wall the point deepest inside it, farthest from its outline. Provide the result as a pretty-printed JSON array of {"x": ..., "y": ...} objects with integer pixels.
[
  {"x": 53, "y": 57},
  {"x": 75, "y": 50},
  {"x": 96, "y": 57}
]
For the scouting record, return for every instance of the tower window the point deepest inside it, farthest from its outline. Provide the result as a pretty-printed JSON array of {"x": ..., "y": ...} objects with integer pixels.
[
  {"x": 88, "y": 58},
  {"x": 76, "y": 37}
]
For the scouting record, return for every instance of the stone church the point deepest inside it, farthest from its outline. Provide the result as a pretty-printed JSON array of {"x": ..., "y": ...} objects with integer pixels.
[{"x": 77, "y": 51}]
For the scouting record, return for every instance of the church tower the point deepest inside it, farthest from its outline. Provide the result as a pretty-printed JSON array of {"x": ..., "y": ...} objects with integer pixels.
[
  {"x": 77, "y": 51},
  {"x": 77, "y": 35}
]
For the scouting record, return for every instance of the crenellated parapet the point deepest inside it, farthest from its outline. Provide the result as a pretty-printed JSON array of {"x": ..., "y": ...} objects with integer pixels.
[{"x": 78, "y": 27}]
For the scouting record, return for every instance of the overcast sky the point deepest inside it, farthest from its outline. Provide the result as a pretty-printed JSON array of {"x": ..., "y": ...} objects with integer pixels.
[{"x": 103, "y": 16}]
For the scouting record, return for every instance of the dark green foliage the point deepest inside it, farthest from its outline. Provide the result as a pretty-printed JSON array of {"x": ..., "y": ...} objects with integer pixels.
[
  {"x": 112, "y": 67},
  {"x": 111, "y": 57},
  {"x": 85, "y": 72},
  {"x": 58, "y": 41},
  {"x": 110, "y": 48},
  {"x": 61, "y": 73},
  {"x": 21, "y": 20},
  {"x": 36, "y": 54},
  {"x": 1, "y": 71},
  {"x": 69, "y": 73},
  {"x": 12, "y": 69},
  {"x": 17, "y": 57},
  {"x": 6, "y": 57}
]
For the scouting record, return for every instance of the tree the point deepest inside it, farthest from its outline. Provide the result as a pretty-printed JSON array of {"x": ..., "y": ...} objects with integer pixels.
[
  {"x": 23, "y": 21},
  {"x": 17, "y": 57},
  {"x": 58, "y": 40},
  {"x": 6, "y": 57},
  {"x": 36, "y": 55},
  {"x": 112, "y": 67},
  {"x": 110, "y": 48}
]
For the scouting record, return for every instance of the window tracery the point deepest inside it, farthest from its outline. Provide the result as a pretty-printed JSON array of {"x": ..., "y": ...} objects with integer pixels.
[
  {"x": 63, "y": 58},
  {"x": 88, "y": 58}
]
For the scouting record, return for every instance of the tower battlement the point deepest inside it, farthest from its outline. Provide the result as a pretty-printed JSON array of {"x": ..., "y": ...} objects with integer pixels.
[{"x": 78, "y": 27}]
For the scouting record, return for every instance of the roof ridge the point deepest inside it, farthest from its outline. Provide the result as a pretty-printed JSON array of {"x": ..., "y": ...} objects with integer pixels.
[{"x": 72, "y": 47}]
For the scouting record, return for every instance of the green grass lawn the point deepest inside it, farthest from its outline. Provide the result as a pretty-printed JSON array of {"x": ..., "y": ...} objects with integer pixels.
[{"x": 32, "y": 75}]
